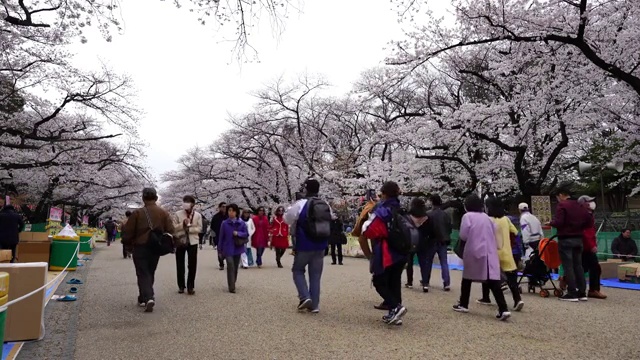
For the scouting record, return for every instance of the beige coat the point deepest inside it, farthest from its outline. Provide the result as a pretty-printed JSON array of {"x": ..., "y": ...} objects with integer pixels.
[{"x": 194, "y": 229}]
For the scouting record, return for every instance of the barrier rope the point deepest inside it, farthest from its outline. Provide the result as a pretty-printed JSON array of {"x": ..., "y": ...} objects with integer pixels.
[{"x": 5, "y": 306}]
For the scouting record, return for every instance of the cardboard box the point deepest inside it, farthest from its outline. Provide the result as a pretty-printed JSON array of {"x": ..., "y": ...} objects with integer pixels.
[
  {"x": 40, "y": 237},
  {"x": 5, "y": 256},
  {"x": 33, "y": 252},
  {"x": 25, "y": 319},
  {"x": 629, "y": 273},
  {"x": 610, "y": 268},
  {"x": 614, "y": 260},
  {"x": 25, "y": 236}
]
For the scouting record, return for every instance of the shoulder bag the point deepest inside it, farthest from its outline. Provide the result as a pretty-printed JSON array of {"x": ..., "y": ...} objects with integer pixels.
[{"x": 159, "y": 242}]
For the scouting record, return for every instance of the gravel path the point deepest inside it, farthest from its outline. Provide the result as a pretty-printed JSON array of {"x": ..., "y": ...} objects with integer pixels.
[{"x": 260, "y": 321}]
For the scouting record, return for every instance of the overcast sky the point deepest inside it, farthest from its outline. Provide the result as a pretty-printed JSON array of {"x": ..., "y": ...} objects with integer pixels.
[{"x": 188, "y": 80}]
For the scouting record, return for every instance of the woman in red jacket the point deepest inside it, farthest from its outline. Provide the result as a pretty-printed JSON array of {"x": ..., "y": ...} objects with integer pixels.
[
  {"x": 260, "y": 238},
  {"x": 589, "y": 255},
  {"x": 279, "y": 233}
]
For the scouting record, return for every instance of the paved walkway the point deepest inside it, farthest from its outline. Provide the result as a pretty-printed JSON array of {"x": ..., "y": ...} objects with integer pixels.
[{"x": 260, "y": 321}]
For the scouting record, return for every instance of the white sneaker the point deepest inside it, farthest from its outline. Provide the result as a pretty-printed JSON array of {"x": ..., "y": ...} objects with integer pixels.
[
  {"x": 519, "y": 306},
  {"x": 503, "y": 316},
  {"x": 149, "y": 306}
]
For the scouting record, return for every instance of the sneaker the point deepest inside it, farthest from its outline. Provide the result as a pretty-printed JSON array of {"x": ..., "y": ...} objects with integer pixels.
[
  {"x": 519, "y": 306},
  {"x": 447, "y": 288},
  {"x": 334, "y": 263},
  {"x": 408, "y": 285},
  {"x": 583, "y": 297},
  {"x": 597, "y": 295},
  {"x": 181, "y": 291},
  {"x": 425, "y": 289},
  {"x": 398, "y": 323},
  {"x": 142, "y": 304},
  {"x": 396, "y": 314},
  {"x": 460, "y": 308},
  {"x": 221, "y": 268},
  {"x": 340, "y": 263},
  {"x": 568, "y": 297},
  {"x": 191, "y": 291},
  {"x": 314, "y": 311},
  {"x": 503, "y": 316},
  {"x": 148, "y": 307},
  {"x": 304, "y": 304},
  {"x": 484, "y": 302}
]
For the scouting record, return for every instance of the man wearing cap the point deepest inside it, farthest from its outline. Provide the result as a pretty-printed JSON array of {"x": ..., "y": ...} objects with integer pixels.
[
  {"x": 589, "y": 254},
  {"x": 530, "y": 226},
  {"x": 571, "y": 220},
  {"x": 136, "y": 235}
]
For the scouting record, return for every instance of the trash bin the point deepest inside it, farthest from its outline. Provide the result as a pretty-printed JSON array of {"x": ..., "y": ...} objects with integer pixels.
[
  {"x": 85, "y": 243},
  {"x": 64, "y": 250}
]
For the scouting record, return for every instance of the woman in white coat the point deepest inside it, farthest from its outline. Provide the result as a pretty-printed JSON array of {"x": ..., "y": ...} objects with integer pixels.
[
  {"x": 247, "y": 257},
  {"x": 188, "y": 225}
]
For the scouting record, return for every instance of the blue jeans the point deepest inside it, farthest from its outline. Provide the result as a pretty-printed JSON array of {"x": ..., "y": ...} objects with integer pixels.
[
  {"x": 315, "y": 261},
  {"x": 425, "y": 259},
  {"x": 259, "y": 252},
  {"x": 249, "y": 256}
]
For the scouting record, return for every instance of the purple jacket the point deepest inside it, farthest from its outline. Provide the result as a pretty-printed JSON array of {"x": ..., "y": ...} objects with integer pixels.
[
  {"x": 480, "y": 257},
  {"x": 226, "y": 244}
]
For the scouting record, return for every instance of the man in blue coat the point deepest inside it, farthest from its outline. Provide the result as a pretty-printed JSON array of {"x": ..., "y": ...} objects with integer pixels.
[{"x": 309, "y": 250}]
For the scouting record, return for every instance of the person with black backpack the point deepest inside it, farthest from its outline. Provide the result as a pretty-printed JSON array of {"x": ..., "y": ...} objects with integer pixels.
[
  {"x": 312, "y": 217},
  {"x": 394, "y": 234}
]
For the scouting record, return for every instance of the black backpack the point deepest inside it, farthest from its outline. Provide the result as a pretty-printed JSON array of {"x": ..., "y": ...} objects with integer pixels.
[
  {"x": 403, "y": 235},
  {"x": 318, "y": 223}
]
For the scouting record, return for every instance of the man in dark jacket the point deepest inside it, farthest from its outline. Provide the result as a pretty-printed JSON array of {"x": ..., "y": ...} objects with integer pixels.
[
  {"x": 624, "y": 247},
  {"x": 438, "y": 235},
  {"x": 10, "y": 226},
  {"x": 136, "y": 235},
  {"x": 205, "y": 225},
  {"x": 216, "y": 224},
  {"x": 110, "y": 229},
  {"x": 571, "y": 220}
]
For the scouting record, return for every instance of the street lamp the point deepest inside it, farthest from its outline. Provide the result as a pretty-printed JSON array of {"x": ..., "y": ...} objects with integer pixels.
[{"x": 614, "y": 165}]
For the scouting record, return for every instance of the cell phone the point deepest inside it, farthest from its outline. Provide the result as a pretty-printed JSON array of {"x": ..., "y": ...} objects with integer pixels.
[{"x": 371, "y": 194}]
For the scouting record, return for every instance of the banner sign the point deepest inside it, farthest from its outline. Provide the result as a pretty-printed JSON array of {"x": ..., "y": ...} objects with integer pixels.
[
  {"x": 55, "y": 214},
  {"x": 541, "y": 208},
  {"x": 85, "y": 220}
]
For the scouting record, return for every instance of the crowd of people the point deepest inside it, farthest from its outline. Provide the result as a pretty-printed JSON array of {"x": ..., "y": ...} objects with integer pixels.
[{"x": 391, "y": 237}]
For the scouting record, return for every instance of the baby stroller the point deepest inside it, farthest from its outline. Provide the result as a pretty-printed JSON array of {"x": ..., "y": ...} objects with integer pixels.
[{"x": 538, "y": 269}]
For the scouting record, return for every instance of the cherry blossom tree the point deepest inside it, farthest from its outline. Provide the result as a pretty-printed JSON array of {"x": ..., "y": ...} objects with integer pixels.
[
  {"x": 525, "y": 86},
  {"x": 71, "y": 19}
]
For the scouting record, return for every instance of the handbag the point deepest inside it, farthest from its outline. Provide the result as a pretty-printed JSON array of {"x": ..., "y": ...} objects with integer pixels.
[
  {"x": 239, "y": 241},
  {"x": 159, "y": 242},
  {"x": 458, "y": 249}
]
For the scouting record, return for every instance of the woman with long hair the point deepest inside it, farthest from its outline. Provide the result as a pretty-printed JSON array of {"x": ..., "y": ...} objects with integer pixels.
[
  {"x": 504, "y": 229},
  {"x": 480, "y": 256},
  {"x": 279, "y": 234}
]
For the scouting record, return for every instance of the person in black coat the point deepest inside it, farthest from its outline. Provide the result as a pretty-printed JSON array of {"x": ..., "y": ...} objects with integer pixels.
[
  {"x": 216, "y": 224},
  {"x": 337, "y": 239},
  {"x": 10, "y": 226}
]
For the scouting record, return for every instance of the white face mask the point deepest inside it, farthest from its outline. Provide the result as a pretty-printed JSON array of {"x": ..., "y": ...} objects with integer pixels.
[
  {"x": 592, "y": 206},
  {"x": 186, "y": 206}
]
